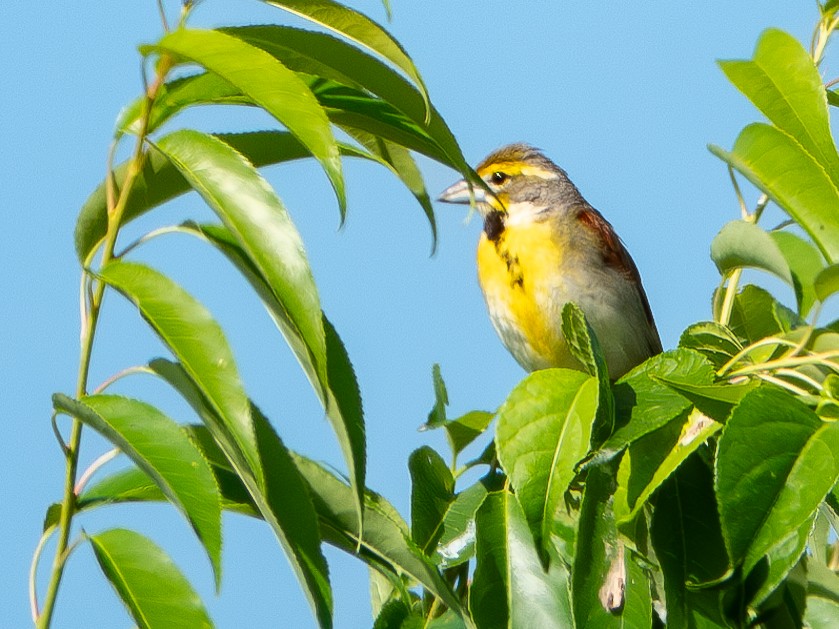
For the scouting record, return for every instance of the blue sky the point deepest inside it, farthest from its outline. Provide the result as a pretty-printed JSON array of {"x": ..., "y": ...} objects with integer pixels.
[{"x": 624, "y": 96}]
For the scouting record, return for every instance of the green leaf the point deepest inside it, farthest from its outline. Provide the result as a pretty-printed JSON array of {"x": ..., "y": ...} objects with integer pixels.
[
  {"x": 584, "y": 346},
  {"x": 437, "y": 415},
  {"x": 189, "y": 330},
  {"x": 715, "y": 400},
  {"x": 343, "y": 400},
  {"x": 357, "y": 28},
  {"x": 804, "y": 262},
  {"x": 775, "y": 464},
  {"x": 757, "y": 314},
  {"x": 147, "y": 581},
  {"x": 638, "y": 604},
  {"x": 432, "y": 490},
  {"x": 822, "y": 597},
  {"x": 778, "y": 165},
  {"x": 827, "y": 282},
  {"x": 510, "y": 587},
  {"x": 281, "y": 499},
  {"x": 644, "y": 403},
  {"x": 159, "y": 180},
  {"x": 161, "y": 448},
  {"x": 770, "y": 572},
  {"x": 742, "y": 244},
  {"x": 688, "y": 542},
  {"x": 457, "y": 543},
  {"x": 384, "y": 542},
  {"x": 599, "y": 554},
  {"x": 269, "y": 84},
  {"x": 784, "y": 83},
  {"x": 543, "y": 432},
  {"x": 130, "y": 485},
  {"x": 466, "y": 428},
  {"x": 254, "y": 214},
  {"x": 713, "y": 340},
  {"x": 650, "y": 460}
]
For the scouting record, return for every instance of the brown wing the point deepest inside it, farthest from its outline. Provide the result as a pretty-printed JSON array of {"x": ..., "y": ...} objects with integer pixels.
[{"x": 616, "y": 256}]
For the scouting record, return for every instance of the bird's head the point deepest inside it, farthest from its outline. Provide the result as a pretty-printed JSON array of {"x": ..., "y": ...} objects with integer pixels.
[{"x": 523, "y": 184}]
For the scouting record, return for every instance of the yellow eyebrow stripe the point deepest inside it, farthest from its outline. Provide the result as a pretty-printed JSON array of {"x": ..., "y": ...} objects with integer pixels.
[{"x": 518, "y": 168}]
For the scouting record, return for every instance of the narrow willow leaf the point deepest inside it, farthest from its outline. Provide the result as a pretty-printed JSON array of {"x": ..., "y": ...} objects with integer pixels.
[
  {"x": 510, "y": 588},
  {"x": 254, "y": 214},
  {"x": 713, "y": 340},
  {"x": 650, "y": 460},
  {"x": 189, "y": 330},
  {"x": 269, "y": 84},
  {"x": 281, "y": 499},
  {"x": 357, "y": 28},
  {"x": 160, "y": 181},
  {"x": 130, "y": 485},
  {"x": 543, "y": 432},
  {"x": 804, "y": 262},
  {"x": 148, "y": 582},
  {"x": 688, "y": 542},
  {"x": 437, "y": 415},
  {"x": 742, "y": 244},
  {"x": 385, "y": 541},
  {"x": 162, "y": 449},
  {"x": 778, "y": 165},
  {"x": 827, "y": 282},
  {"x": 343, "y": 400},
  {"x": 643, "y": 403},
  {"x": 784, "y": 83},
  {"x": 774, "y": 466},
  {"x": 432, "y": 490}
]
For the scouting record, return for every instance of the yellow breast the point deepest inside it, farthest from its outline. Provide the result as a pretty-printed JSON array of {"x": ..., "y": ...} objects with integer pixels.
[{"x": 521, "y": 277}]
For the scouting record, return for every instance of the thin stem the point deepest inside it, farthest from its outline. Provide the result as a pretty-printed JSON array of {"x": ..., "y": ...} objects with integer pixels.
[
  {"x": 161, "y": 231},
  {"x": 94, "y": 467},
  {"x": 744, "y": 212},
  {"x": 163, "y": 19},
  {"x": 730, "y": 294},
  {"x": 128, "y": 371},
  {"x": 88, "y": 332},
  {"x": 33, "y": 571}
]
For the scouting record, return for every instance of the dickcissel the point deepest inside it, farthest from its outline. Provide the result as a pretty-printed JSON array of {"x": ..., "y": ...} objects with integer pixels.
[{"x": 542, "y": 246}]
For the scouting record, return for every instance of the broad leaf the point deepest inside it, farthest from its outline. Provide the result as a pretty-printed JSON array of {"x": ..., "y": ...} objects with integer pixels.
[
  {"x": 161, "y": 448},
  {"x": 742, "y": 244},
  {"x": 778, "y": 165},
  {"x": 189, "y": 330},
  {"x": 804, "y": 262},
  {"x": 148, "y": 582},
  {"x": 784, "y": 83},
  {"x": 770, "y": 572},
  {"x": 757, "y": 314},
  {"x": 688, "y": 542},
  {"x": 510, "y": 588},
  {"x": 269, "y": 84},
  {"x": 713, "y": 340},
  {"x": 543, "y": 432},
  {"x": 457, "y": 543},
  {"x": 775, "y": 464},
  {"x": 650, "y": 460},
  {"x": 822, "y": 597},
  {"x": 644, "y": 403},
  {"x": 583, "y": 343},
  {"x": 432, "y": 490},
  {"x": 826, "y": 282}
]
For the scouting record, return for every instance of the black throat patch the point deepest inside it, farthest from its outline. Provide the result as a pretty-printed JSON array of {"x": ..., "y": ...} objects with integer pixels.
[{"x": 494, "y": 225}]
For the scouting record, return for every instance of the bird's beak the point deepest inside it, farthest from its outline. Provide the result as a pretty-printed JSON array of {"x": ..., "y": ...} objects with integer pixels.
[{"x": 462, "y": 192}]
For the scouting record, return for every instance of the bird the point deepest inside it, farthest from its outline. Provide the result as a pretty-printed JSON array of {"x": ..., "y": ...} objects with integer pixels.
[{"x": 542, "y": 246}]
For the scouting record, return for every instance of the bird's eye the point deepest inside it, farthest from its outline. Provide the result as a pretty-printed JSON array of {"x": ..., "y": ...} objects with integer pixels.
[{"x": 498, "y": 177}]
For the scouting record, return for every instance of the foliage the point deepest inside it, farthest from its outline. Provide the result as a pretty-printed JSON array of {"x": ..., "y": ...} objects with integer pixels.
[{"x": 699, "y": 490}]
